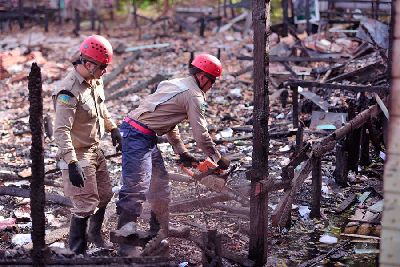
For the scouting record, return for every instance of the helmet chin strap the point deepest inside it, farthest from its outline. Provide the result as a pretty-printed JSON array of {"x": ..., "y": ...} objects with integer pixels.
[{"x": 198, "y": 82}]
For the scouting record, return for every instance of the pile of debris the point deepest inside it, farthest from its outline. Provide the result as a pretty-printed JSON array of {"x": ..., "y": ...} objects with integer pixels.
[{"x": 333, "y": 63}]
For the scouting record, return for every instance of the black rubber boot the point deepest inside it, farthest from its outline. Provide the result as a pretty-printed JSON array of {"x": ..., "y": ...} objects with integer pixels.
[
  {"x": 94, "y": 230},
  {"x": 124, "y": 218},
  {"x": 126, "y": 250},
  {"x": 154, "y": 224},
  {"x": 77, "y": 234}
]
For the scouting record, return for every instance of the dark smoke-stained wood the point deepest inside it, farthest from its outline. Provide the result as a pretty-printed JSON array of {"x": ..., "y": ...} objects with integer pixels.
[
  {"x": 341, "y": 171},
  {"x": 212, "y": 249},
  {"x": 316, "y": 188},
  {"x": 259, "y": 171},
  {"x": 37, "y": 193}
]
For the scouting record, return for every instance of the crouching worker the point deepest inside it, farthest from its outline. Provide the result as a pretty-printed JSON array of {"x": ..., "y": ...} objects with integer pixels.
[
  {"x": 81, "y": 120},
  {"x": 144, "y": 175}
]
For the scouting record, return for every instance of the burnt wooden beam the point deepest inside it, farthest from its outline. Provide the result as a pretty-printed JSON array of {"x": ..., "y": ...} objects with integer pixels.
[
  {"x": 242, "y": 71},
  {"x": 353, "y": 148},
  {"x": 270, "y": 185},
  {"x": 315, "y": 261},
  {"x": 374, "y": 135},
  {"x": 202, "y": 26},
  {"x": 77, "y": 22},
  {"x": 295, "y": 106},
  {"x": 364, "y": 154},
  {"x": 212, "y": 249},
  {"x": 299, "y": 138},
  {"x": 364, "y": 71},
  {"x": 357, "y": 1},
  {"x": 296, "y": 160},
  {"x": 289, "y": 69},
  {"x": 189, "y": 204},
  {"x": 353, "y": 88},
  {"x": 355, "y": 123},
  {"x": 341, "y": 169},
  {"x": 281, "y": 214},
  {"x": 285, "y": 10},
  {"x": 346, "y": 203},
  {"x": 37, "y": 194},
  {"x": 138, "y": 87},
  {"x": 118, "y": 70},
  {"x": 296, "y": 59},
  {"x": 259, "y": 171},
  {"x": 93, "y": 19},
  {"x": 25, "y": 193},
  {"x": 225, "y": 253},
  {"x": 316, "y": 188},
  {"x": 148, "y": 261}
]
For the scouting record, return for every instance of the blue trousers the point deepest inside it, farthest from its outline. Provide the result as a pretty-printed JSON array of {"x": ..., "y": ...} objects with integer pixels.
[{"x": 143, "y": 171}]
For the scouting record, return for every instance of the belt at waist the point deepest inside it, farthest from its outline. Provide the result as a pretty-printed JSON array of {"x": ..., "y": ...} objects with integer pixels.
[{"x": 139, "y": 127}]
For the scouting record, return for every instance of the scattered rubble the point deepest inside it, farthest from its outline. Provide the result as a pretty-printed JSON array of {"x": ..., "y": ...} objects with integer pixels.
[{"x": 345, "y": 74}]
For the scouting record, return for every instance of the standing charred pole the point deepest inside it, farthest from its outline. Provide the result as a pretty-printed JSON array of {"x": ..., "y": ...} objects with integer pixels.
[
  {"x": 390, "y": 245},
  {"x": 259, "y": 171},
  {"x": 37, "y": 193}
]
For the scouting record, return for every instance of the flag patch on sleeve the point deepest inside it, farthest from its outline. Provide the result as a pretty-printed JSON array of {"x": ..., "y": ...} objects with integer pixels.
[{"x": 65, "y": 100}]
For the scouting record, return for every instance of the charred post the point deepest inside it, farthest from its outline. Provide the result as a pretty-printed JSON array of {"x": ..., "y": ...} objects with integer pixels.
[
  {"x": 191, "y": 59},
  {"x": 364, "y": 155},
  {"x": 299, "y": 139},
  {"x": 37, "y": 194},
  {"x": 232, "y": 9},
  {"x": 353, "y": 141},
  {"x": 21, "y": 18},
  {"x": 285, "y": 9},
  {"x": 202, "y": 26},
  {"x": 93, "y": 19},
  {"x": 259, "y": 171},
  {"x": 225, "y": 13},
  {"x": 212, "y": 249},
  {"x": 295, "y": 105},
  {"x": 46, "y": 21},
  {"x": 77, "y": 22},
  {"x": 342, "y": 170},
  {"x": 374, "y": 136},
  {"x": 316, "y": 188}
]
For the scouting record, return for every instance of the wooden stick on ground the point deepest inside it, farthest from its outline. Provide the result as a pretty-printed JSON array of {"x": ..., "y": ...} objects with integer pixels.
[
  {"x": 316, "y": 260},
  {"x": 115, "y": 72},
  {"x": 138, "y": 87},
  {"x": 20, "y": 192}
]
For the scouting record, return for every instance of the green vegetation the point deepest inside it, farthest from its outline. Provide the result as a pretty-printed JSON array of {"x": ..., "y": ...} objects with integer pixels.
[
  {"x": 276, "y": 12},
  {"x": 155, "y": 6}
]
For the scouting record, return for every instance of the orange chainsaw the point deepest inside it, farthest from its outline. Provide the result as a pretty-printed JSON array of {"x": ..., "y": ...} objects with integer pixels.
[
  {"x": 208, "y": 174},
  {"x": 211, "y": 176}
]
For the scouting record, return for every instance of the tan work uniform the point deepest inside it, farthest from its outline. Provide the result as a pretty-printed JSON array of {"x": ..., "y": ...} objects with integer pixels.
[
  {"x": 144, "y": 175},
  {"x": 81, "y": 120},
  {"x": 174, "y": 101}
]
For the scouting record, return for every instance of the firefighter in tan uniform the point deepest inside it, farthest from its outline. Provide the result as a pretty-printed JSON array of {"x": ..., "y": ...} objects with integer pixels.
[
  {"x": 81, "y": 120},
  {"x": 143, "y": 172}
]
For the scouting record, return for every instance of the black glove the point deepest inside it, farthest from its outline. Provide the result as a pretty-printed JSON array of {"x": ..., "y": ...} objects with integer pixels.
[
  {"x": 223, "y": 163},
  {"x": 116, "y": 139},
  {"x": 187, "y": 159},
  {"x": 76, "y": 175}
]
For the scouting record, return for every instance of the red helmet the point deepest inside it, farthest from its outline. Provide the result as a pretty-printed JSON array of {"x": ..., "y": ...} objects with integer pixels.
[
  {"x": 98, "y": 48},
  {"x": 208, "y": 64}
]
